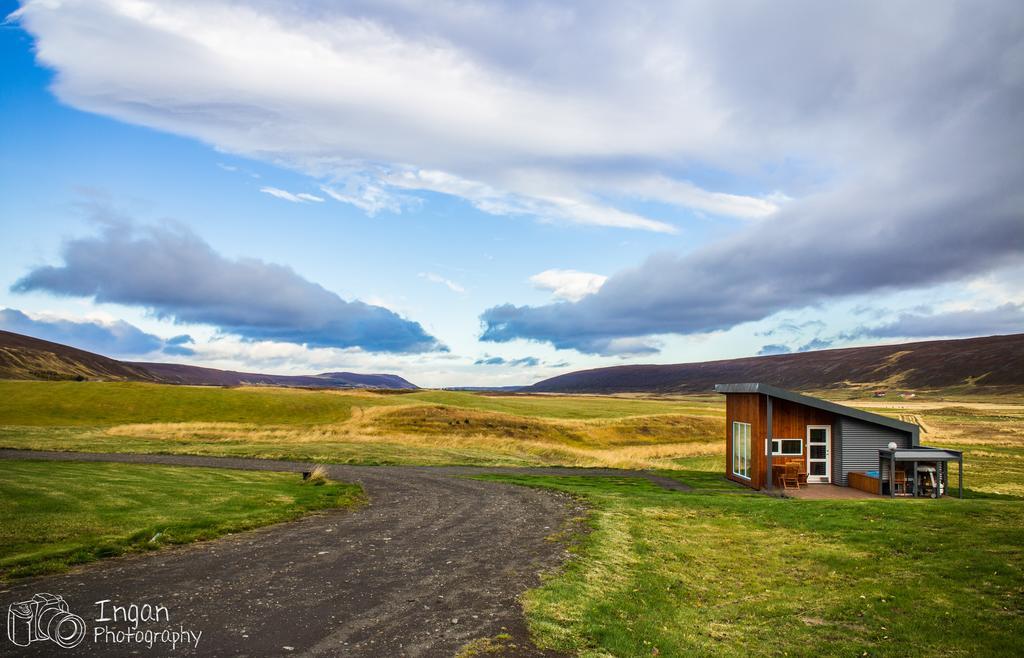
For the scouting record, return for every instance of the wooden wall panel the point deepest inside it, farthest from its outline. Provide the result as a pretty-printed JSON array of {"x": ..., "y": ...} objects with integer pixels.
[
  {"x": 789, "y": 421},
  {"x": 746, "y": 408}
]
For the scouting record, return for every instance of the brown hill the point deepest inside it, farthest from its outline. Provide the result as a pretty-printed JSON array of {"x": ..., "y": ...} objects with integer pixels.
[
  {"x": 24, "y": 357},
  {"x": 989, "y": 364},
  {"x": 176, "y": 373}
]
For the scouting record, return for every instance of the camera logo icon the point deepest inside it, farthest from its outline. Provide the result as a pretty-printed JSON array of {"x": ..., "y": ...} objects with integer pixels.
[{"x": 44, "y": 617}]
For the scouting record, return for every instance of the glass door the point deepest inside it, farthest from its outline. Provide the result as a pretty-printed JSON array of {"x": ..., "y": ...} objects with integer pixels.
[{"x": 819, "y": 447}]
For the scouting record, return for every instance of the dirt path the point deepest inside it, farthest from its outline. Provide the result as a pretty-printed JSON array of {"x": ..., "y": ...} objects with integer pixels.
[{"x": 433, "y": 562}]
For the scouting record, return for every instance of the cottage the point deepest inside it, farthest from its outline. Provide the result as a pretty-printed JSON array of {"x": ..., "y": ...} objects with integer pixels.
[{"x": 768, "y": 427}]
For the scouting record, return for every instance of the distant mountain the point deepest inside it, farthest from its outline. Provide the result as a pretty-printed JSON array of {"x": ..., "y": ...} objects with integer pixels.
[
  {"x": 24, "y": 357},
  {"x": 367, "y": 381},
  {"x": 176, "y": 373},
  {"x": 984, "y": 364},
  {"x": 485, "y": 389}
]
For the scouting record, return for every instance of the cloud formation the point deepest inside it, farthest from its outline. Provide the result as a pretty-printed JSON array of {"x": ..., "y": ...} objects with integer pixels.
[
  {"x": 568, "y": 285},
  {"x": 447, "y": 283},
  {"x": 899, "y": 164},
  {"x": 516, "y": 107},
  {"x": 914, "y": 215},
  {"x": 301, "y": 197},
  {"x": 174, "y": 274},
  {"x": 179, "y": 346},
  {"x": 815, "y": 344},
  {"x": 114, "y": 338},
  {"x": 1005, "y": 319},
  {"x": 774, "y": 348},
  {"x": 523, "y": 362}
]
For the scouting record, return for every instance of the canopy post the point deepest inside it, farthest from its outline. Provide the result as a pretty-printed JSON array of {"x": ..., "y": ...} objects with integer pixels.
[
  {"x": 880, "y": 471},
  {"x": 892, "y": 474}
]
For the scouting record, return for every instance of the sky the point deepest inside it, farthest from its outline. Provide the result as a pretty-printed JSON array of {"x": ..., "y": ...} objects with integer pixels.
[{"x": 492, "y": 193}]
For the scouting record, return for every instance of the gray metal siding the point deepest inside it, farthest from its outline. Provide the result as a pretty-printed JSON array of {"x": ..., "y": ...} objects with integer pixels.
[{"x": 857, "y": 444}]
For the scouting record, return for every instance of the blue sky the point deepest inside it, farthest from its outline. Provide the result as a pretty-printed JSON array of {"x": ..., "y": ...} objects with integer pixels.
[{"x": 494, "y": 196}]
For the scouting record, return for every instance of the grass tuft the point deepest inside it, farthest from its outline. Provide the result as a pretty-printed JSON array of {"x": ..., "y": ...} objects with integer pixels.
[{"x": 317, "y": 476}]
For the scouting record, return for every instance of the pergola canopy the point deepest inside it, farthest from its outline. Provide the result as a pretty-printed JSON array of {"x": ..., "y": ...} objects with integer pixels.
[
  {"x": 922, "y": 454},
  {"x": 918, "y": 454}
]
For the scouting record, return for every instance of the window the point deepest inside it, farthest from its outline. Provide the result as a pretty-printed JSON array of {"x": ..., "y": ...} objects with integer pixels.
[
  {"x": 788, "y": 447},
  {"x": 741, "y": 449}
]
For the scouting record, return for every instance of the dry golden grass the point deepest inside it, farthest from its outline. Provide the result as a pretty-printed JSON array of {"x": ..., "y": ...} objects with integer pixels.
[
  {"x": 317, "y": 476},
  {"x": 992, "y": 436},
  {"x": 445, "y": 420},
  {"x": 631, "y": 442},
  {"x": 978, "y": 433}
]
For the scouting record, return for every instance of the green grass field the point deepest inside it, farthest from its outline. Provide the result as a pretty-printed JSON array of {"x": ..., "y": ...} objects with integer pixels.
[
  {"x": 425, "y": 427},
  {"x": 737, "y": 574},
  {"x": 57, "y": 514},
  {"x": 717, "y": 571},
  {"x": 55, "y": 404}
]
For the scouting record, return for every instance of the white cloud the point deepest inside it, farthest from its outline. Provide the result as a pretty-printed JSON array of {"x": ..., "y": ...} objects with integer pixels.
[
  {"x": 437, "y": 278},
  {"x": 573, "y": 113},
  {"x": 369, "y": 196},
  {"x": 235, "y": 169},
  {"x": 352, "y": 98},
  {"x": 301, "y": 197},
  {"x": 540, "y": 202},
  {"x": 230, "y": 353},
  {"x": 569, "y": 285},
  {"x": 688, "y": 195},
  {"x": 997, "y": 288}
]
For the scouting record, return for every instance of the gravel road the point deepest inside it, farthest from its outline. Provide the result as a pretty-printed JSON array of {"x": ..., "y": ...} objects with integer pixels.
[{"x": 433, "y": 562}]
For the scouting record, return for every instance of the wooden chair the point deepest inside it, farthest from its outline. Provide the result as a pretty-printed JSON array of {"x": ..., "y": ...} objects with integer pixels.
[
  {"x": 802, "y": 473},
  {"x": 899, "y": 484},
  {"x": 791, "y": 476},
  {"x": 778, "y": 471}
]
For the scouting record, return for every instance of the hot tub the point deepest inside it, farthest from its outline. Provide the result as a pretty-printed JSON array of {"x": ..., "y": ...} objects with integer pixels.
[{"x": 865, "y": 481}]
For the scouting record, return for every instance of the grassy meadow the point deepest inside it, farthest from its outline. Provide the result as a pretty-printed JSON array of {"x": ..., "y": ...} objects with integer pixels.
[
  {"x": 446, "y": 427},
  {"x": 715, "y": 571},
  {"x": 57, "y": 514},
  {"x": 424, "y": 427},
  {"x": 726, "y": 573}
]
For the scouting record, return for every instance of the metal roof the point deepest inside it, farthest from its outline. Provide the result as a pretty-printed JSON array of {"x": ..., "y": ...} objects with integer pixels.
[
  {"x": 838, "y": 409},
  {"x": 922, "y": 453}
]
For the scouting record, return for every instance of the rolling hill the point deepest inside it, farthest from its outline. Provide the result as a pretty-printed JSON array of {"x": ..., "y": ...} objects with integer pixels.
[
  {"x": 24, "y": 357},
  {"x": 176, "y": 373},
  {"x": 989, "y": 364}
]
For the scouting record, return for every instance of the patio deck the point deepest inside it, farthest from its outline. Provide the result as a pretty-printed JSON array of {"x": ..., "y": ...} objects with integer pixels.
[{"x": 827, "y": 492}]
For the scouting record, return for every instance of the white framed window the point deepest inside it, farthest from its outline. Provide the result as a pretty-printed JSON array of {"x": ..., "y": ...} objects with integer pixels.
[
  {"x": 788, "y": 447},
  {"x": 741, "y": 449}
]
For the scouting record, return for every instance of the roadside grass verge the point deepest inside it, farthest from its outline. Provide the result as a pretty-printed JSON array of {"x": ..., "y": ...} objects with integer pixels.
[
  {"x": 57, "y": 514},
  {"x": 712, "y": 573}
]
